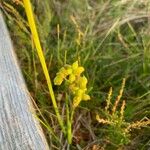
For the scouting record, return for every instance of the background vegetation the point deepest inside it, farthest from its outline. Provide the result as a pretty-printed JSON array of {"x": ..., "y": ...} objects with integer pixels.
[{"x": 111, "y": 39}]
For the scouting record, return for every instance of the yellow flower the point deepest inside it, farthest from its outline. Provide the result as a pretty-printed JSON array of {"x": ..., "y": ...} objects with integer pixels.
[
  {"x": 78, "y": 98},
  {"x": 78, "y": 71},
  {"x": 79, "y": 93},
  {"x": 64, "y": 71},
  {"x": 62, "y": 74},
  {"x": 68, "y": 69},
  {"x": 58, "y": 80},
  {"x": 72, "y": 78},
  {"x": 73, "y": 88},
  {"x": 82, "y": 81},
  {"x": 76, "y": 101},
  {"x": 77, "y": 83}
]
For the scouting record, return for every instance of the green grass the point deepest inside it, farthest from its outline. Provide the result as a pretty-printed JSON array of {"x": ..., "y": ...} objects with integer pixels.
[{"x": 114, "y": 45}]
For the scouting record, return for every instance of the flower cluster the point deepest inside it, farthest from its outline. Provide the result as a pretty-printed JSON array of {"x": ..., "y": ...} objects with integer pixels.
[{"x": 77, "y": 83}]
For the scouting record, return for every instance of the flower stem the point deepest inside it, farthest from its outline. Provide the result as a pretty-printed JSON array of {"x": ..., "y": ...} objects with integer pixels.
[{"x": 69, "y": 122}]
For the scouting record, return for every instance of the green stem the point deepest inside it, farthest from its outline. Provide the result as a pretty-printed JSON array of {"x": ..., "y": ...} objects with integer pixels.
[{"x": 69, "y": 122}]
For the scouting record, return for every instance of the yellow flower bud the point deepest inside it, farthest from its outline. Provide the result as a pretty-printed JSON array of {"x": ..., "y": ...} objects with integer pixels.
[
  {"x": 75, "y": 65},
  {"x": 85, "y": 97}
]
